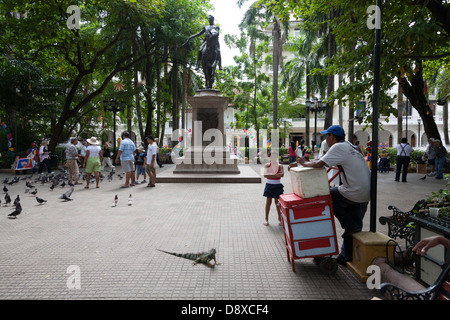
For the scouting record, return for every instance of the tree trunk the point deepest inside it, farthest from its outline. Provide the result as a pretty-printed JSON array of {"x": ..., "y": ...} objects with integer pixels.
[
  {"x": 148, "y": 96},
  {"x": 445, "y": 119},
  {"x": 175, "y": 115},
  {"x": 330, "y": 82},
  {"x": 138, "y": 107},
  {"x": 158, "y": 98},
  {"x": 307, "y": 114},
  {"x": 276, "y": 32},
  {"x": 400, "y": 107},
  {"x": 413, "y": 90}
]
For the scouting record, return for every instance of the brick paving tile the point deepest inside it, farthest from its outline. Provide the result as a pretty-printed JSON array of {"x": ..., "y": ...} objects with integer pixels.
[{"x": 114, "y": 249}]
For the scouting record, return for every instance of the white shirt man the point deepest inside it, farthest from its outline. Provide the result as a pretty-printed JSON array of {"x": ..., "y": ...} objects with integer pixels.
[
  {"x": 350, "y": 198},
  {"x": 150, "y": 160}
]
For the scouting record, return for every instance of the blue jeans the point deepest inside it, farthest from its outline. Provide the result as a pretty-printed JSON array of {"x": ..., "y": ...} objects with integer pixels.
[
  {"x": 350, "y": 215},
  {"x": 439, "y": 163}
]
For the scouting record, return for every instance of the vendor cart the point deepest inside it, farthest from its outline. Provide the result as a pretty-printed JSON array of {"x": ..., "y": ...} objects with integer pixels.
[{"x": 309, "y": 229}]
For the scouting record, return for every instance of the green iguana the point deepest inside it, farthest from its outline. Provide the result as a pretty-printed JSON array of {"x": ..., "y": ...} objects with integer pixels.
[{"x": 201, "y": 257}]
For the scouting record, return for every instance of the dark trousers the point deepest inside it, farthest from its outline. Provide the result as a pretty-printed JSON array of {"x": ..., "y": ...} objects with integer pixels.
[
  {"x": 402, "y": 167},
  {"x": 350, "y": 215},
  {"x": 46, "y": 163},
  {"x": 384, "y": 165}
]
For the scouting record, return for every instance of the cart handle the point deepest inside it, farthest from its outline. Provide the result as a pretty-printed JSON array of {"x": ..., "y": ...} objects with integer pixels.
[{"x": 334, "y": 175}]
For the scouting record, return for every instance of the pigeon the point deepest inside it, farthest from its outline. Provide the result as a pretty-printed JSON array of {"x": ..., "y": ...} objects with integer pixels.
[
  {"x": 16, "y": 212},
  {"x": 7, "y": 199},
  {"x": 6, "y": 180},
  {"x": 130, "y": 200},
  {"x": 52, "y": 187},
  {"x": 110, "y": 175},
  {"x": 63, "y": 184},
  {"x": 116, "y": 199},
  {"x": 34, "y": 192},
  {"x": 27, "y": 190},
  {"x": 66, "y": 196},
  {"x": 40, "y": 200},
  {"x": 16, "y": 200},
  {"x": 5, "y": 189},
  {"x": 29, "y": 185},
  {"x": 424, "y": 177}
]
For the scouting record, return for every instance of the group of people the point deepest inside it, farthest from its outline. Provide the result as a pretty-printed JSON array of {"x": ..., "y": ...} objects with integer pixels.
[
  {"x": 40, "y": 156},
  {"x": 303, "y": 151},
  {"x": 134, "y": 160},
  {"x": 137, "y": 159},
  {"x": 435, "y": 152}
]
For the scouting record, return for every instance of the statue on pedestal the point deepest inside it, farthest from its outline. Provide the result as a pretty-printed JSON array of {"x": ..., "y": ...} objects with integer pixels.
[{"x": 209, "y": 52}]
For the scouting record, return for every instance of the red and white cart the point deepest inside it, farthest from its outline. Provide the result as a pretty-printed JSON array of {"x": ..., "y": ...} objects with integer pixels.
[{"x": 309, "y": 229}]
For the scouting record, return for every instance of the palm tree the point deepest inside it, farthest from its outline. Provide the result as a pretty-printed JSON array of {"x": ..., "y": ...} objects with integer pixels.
[
  {"x": 251, "y": 17},
  {"x": 309, "y": 51}
]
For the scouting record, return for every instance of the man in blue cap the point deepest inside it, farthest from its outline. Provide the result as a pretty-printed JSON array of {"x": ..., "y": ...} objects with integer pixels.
[{"x": 351, "y": 197}]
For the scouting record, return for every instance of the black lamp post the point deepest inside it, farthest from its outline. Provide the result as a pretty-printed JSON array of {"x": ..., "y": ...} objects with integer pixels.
[
  {"x": 314, "y": 106},
  {"x": 114, "y": 106}
]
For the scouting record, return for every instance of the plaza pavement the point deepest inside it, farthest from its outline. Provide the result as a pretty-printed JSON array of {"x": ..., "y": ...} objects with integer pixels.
[{"x": 113, "y": 249}]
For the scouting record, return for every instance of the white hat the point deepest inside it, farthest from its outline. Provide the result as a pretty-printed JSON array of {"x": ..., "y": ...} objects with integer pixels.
[{"x": 93, "y": 141}]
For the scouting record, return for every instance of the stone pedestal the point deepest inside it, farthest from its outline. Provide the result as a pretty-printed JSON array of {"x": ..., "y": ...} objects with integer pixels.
[{"x": 207, "y": 153}]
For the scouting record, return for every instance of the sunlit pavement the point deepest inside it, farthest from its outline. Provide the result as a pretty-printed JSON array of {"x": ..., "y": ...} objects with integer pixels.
[{"x": 87, "y": 249}]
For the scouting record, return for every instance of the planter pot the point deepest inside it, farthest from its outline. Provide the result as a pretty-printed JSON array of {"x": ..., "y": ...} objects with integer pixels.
[{"x": 422, "y": 168}]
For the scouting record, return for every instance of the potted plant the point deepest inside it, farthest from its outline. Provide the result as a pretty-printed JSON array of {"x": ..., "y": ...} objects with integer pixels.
[{"x": 417, "y": 157}]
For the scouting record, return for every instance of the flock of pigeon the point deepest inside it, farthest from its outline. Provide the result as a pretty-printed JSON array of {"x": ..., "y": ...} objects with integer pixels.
[{"x": 55, "y": 180}]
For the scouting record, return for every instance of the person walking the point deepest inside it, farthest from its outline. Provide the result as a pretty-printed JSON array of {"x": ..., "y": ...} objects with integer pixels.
[
  {"x": 72, "y": 161},
  {"x": 107, "y": 156},
  {"x": 440, "y": 159},
  {"x": 92, "y": 161},
  {"x": 126, "y": 153},
  {"x": 150, "y": 160},
  {"x": 44, "y": 158},
  {"x": 403, "y": 159}
]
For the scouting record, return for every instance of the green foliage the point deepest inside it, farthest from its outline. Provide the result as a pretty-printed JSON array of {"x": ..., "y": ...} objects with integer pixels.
[
  {"x": 69, "y": 71},
  {"x": 411, "y": 34}
]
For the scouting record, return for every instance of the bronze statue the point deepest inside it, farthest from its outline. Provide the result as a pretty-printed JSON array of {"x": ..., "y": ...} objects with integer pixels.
[{"x": 209, "y": 52}]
